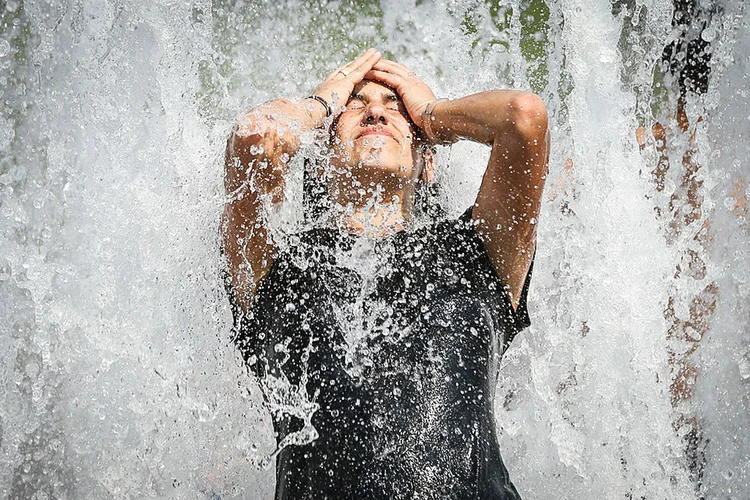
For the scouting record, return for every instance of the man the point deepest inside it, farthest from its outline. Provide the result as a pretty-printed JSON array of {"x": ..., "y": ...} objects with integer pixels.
[{"x": 393, "y": 331}]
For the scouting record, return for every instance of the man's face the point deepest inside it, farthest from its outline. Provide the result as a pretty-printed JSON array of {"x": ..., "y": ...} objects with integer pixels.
[{"x": 374, "y": 138}]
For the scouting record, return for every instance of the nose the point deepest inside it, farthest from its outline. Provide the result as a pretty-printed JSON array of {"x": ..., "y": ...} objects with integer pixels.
[{"x": 375, "y": 113}]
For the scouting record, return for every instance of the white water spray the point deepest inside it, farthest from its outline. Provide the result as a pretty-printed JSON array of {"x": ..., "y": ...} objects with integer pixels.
[{"x": 117, "y": 378}]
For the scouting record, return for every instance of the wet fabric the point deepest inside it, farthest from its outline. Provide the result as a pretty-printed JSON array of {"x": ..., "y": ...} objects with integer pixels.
[{"x": 398, "y": 343}]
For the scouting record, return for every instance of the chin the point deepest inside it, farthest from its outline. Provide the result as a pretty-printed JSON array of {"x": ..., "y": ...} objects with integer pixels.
[
  {"x": 384, "y": 159},
  {"x": 377, "y": 162},
  {"x": 382, "y": 164}
]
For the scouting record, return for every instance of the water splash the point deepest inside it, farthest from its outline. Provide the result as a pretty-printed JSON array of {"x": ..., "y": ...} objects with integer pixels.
[{"x": 117, "y": 374}]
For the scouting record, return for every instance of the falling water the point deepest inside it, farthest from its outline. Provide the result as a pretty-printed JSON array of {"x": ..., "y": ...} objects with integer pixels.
[{"x": 117, "y": 376}]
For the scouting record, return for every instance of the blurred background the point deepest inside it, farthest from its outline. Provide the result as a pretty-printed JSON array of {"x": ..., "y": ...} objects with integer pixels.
[{"x": 117, "y": 375}]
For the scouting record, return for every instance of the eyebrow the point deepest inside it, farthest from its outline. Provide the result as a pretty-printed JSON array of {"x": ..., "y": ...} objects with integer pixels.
[{"x": 390, "y": 97}]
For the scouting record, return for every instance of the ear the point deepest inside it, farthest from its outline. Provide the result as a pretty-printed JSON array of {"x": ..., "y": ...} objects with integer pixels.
[{"x": 428, "y": 171}]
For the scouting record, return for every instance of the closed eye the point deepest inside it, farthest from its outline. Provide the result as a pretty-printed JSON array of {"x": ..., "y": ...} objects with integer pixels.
[
  {"x": 393, "y": 104},
  {"x": 356, "y": 101}
]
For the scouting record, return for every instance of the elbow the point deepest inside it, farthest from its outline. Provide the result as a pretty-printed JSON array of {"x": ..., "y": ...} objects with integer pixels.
[
  {"x": 253, "y": 130},
  {"x": 252, "y": 138},
  {"x": 263, "y": 128},
  {"x": 530, "y": 116}
]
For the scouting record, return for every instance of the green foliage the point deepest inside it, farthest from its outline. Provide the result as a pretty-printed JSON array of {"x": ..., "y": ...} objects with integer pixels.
[
  {"x": 534, "y": 42},
  {"x": 339, "y": 30},
  {"x": 15, "y": 30}
]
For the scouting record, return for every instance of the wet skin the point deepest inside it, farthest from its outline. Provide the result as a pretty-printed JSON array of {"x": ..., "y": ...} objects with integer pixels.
[
  {"x": 375, "y": 157},
  {"x": 374, "y": 146}
]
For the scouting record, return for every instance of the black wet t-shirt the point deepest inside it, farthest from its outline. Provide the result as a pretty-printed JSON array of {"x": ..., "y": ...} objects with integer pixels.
[{"x": 398, "y": 343}]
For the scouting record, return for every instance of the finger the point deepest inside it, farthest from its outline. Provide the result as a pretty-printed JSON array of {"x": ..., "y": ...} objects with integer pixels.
[
  {"x": 393, "y": 67},
  {"x": 367, "y": 56},
  {"x": 391, "y": 79},
  {"x": 398, "y": 65},
  {"x": 358, "y": 72},
  {"x": 402, "y": 66},
  {"x": 348, "y": 66}
]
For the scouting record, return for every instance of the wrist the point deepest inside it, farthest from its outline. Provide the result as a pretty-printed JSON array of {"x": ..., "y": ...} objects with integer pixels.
[
  {"x": 433, "y": 127},
  {"x": 318, "y": 109}
]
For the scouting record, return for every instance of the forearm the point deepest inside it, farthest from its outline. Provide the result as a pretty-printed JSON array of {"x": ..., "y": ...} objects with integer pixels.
[
  {"x": 486, "y": 116},
  {"x": 274, "y": 128},
  {"x": 258, "y": 152},
  {"x": 247, "y": 250},
  {"x": 508, "y": 204},
  {"x": 263, "y": 142}
]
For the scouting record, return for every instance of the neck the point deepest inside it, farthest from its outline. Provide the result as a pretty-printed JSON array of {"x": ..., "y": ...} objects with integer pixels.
[{"x": 376, "y": 214}]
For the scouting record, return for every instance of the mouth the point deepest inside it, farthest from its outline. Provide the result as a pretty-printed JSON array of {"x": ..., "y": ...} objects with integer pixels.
[{"x": 376, "y": 131}]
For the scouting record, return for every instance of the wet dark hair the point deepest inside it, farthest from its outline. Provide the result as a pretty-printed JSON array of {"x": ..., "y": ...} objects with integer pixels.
[
  {"x": 314, "y": 193},
  {"x": 427, "y": 200}
]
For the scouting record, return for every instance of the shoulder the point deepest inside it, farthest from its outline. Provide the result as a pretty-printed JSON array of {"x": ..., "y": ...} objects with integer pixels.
[
  {"x": 298, "y": 257},
  {"x": 458, "y": 248}
]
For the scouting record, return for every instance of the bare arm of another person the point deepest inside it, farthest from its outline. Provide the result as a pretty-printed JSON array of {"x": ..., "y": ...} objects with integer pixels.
[
  {"x": 514, "y": 124},
  {"x": 258, "y": 152}
]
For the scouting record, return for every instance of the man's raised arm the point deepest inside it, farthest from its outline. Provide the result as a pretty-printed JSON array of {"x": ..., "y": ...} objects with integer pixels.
[
  {"x": 258, "y": 152},
  {"x": 514, "y": 124},
  {"x": 507, "y": 208}
]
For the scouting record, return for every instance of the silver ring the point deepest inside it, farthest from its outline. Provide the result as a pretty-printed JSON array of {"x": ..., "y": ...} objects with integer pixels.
[{"x": 343, "y": 72}]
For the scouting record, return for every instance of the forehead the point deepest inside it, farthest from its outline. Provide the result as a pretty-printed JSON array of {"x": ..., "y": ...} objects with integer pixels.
[{"x": 373, "y": 90}]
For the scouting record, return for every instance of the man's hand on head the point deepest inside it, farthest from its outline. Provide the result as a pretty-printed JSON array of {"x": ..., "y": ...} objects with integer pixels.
[
  {"x": 415, "y": 93},
  {"x": 338, "y": 86}
]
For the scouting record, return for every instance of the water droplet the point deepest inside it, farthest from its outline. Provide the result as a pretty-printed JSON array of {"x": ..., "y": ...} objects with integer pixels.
[
  {"x": 744, "y": 366},
  {"x": 5, "y": 272},
  {"x": 6, "y": 133},
  {"x": 708, "y": 34},
  {"x": 32, "y": 369},
  {"x": 205, "y": 414}
]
